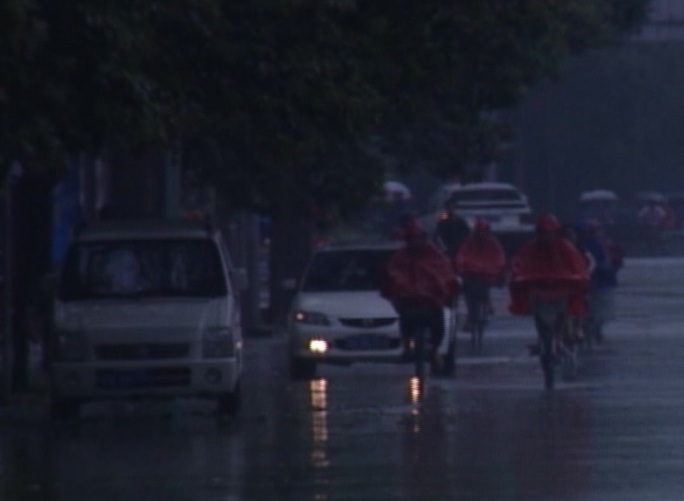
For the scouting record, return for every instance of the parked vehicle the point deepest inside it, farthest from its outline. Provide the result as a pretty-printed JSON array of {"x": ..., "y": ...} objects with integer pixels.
[
  {"x": 339, "y": 317},
  {"x": 147, "y": 309}
]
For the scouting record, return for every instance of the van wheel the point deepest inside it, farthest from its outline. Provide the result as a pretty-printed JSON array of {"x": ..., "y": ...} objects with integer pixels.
[
  {"x": 302, "y": 369},
  {"x": 230, "y": 403},
  {"x": 65, "y": 408}
]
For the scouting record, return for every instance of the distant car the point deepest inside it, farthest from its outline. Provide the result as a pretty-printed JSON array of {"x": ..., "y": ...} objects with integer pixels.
[
  {"x": 338, "y": 315},
  {"x": 502, "y": 204}
]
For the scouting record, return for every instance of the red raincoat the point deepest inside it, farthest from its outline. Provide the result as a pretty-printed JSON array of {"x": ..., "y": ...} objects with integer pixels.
[
  {"x": 557, "y": 268},
  {"x": 424, "y": 276},
  {"x": 481, "y": 256}
]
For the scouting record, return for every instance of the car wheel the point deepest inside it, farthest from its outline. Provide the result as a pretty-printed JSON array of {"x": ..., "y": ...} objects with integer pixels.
[
  {"x": 65, "y": 408},
  {"x": 302, "y": 369},
  {"x": 231, "y": 402}
]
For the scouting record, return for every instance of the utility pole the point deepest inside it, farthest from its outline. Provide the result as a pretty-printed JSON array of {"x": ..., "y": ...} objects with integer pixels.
[{"x": 13, "y": 175}]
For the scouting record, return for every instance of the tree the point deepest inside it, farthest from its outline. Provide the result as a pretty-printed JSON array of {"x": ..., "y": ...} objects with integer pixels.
[{"x": 282, "y": 85}]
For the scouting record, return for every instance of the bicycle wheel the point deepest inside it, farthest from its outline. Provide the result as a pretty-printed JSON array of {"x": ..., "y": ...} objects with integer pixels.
[
  {"x": 420, "y": 337},
  {"x": 569, "y": 350},
  {"x": 479, "y": 327},
  {"x": 546, "y": 358},
  {"x": 569, "y": 363}
]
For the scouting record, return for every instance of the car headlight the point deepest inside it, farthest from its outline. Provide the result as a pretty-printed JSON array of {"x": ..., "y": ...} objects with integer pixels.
[
  {"x": 71, "y": 345},
  {"x": 311, "y": 317},
  {"x": 218, "y": 343}
]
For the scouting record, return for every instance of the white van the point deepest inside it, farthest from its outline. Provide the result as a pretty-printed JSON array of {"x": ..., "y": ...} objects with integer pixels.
[{"x": 147, "y": 309}]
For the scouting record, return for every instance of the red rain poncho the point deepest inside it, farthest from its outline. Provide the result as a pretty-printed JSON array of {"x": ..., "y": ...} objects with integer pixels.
[
  {"x": 554, "y": 268},
  {"x": 425, "y": 276},
  {"x": 481, "y": 256}
]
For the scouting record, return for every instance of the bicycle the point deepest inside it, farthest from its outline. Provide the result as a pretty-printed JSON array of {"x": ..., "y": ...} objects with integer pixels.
[
  {"x": 419, "y": 324},
  {"x": 556, "y": 345},
  {"x": 476, "y": 292}
]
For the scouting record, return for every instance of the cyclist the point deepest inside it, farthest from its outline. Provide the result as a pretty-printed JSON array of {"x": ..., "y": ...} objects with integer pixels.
[
  {"x": 601, "y": 297},
  {"x": 419, "y": 281},
  {"x": 481, "y": 263},
  {"x": 452, "y": 229},
  {"x": 548, "y": 268}
]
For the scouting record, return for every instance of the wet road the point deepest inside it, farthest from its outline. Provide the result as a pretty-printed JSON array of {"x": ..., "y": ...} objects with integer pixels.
[{"x": 617, "y": 433}]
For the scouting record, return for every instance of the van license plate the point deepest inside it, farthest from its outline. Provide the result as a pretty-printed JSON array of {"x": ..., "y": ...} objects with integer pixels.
[{"x": 122, "y": 379}]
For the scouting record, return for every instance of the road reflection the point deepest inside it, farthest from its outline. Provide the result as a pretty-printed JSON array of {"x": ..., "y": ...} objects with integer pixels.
[
  {"x": 319, "y": 423},
  {"x": 524, "y": 448},
  {"x": 425, "y": 445}
]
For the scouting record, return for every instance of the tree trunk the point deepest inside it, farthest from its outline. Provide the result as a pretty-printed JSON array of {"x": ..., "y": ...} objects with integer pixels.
[
  {"x": 289, "y": 254},
  {"x": 31, "y": 263}
]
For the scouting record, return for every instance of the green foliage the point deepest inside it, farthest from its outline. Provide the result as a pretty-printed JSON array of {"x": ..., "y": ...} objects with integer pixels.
[{"x": 285, "y": 89}]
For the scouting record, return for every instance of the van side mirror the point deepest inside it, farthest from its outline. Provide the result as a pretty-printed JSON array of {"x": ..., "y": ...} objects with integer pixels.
[{"x": 241, "y": 280}]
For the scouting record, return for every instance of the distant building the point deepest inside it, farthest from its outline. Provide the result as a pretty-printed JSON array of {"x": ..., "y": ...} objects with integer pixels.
[{"x": 666, "y": 22}]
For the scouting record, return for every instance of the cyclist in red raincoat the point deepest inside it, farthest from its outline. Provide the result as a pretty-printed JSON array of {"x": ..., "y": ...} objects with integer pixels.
[
  {"x": 419, "y": 281},
  {"x": 480, "y": 261},
  {"x": 550, "y": 265}
]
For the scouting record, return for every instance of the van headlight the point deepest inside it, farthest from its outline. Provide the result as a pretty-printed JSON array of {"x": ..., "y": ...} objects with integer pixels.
[
  {"x": 71, "y": 345},
  {"x": 218, "y": 343}
]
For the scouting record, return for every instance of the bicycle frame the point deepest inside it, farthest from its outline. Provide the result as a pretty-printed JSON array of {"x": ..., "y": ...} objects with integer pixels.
[
  {"x": 420, "y": 323},
  {"x": 551, "y": 321},
  {"x": 476, "y": 294}
]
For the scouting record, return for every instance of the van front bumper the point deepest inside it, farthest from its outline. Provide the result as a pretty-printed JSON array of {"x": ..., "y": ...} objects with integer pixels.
[{"x": 92, "y": 381}]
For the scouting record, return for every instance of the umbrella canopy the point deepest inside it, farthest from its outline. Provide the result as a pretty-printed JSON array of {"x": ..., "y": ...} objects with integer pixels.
[
  {"x": 394, "y": 189},
  {"x": 598, "y": 196}
]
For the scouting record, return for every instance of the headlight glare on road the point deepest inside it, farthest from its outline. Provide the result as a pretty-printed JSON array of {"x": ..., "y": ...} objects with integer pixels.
[
  {"x": 218, "y": 343},
  {"x": 311, "y": 317}
]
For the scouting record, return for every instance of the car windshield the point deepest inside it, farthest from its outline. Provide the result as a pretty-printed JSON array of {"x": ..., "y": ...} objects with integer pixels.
[
  {"x": 142, "y": 268},
  {"x": 346, "y": 270},
  {"x": 489, "y": 195}
]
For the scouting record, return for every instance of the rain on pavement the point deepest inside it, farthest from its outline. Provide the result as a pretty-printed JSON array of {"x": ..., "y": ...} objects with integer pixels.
[{"x": 492, "y": 432}]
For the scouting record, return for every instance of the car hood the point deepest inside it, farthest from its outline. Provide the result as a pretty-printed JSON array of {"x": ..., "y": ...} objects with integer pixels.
[
  {"x": 142, "y": 315},
  {"x": 354, "y": 304}
]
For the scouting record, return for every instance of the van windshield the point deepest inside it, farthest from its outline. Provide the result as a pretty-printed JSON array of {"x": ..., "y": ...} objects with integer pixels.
[{"x": 142, "y": 268}]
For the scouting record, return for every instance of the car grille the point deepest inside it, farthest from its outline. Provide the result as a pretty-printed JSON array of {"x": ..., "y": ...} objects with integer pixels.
[
  {"x": 141, "y": 351},
  {"x": 367, "y": 323},
  {"x": 149, "y": 377},
  {"x": 367, "y": 342}
]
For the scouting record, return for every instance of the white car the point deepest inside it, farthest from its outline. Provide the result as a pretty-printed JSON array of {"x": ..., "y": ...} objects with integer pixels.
[
  {"x": 338, "y": 315},
  {"x": 503, "y": 205},
  {"x": 147, "y": 309}
]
